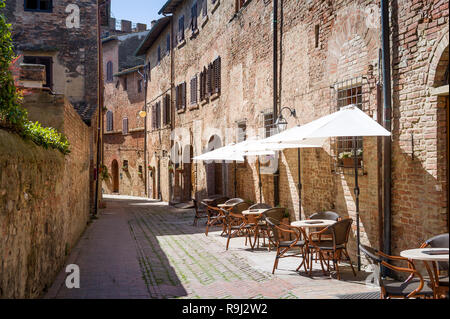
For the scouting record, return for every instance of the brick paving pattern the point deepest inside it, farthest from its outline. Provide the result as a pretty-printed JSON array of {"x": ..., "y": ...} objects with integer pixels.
[{"x": 143, "y": 249}]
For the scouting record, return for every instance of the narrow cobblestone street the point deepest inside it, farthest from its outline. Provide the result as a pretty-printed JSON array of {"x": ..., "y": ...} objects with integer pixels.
[{"x": 143, "y": 249}]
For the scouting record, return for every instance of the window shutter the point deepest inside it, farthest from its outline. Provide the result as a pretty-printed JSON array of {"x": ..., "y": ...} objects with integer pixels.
[
  {"x": 164, "y": 111},
  {"x": 167, "y": 108},
  {"x": 125, "y": 126},
  {"x": 217, "y": 75},
  {"x": 177, "y": 97},
  {"x": 210, "y": 78},
  {"x": 158, "y": 114},
  {"x": 183, "y": 92},
  {"x": 153, "y": 117}
]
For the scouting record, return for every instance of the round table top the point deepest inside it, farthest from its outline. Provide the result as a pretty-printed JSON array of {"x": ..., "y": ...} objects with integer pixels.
[
  {"x": 313, "y": 223},
  {"x": 254, "y": 211},
  {"x": 425, "y": 254}
]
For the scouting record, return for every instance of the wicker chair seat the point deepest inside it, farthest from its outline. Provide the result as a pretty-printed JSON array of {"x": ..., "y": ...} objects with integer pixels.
[{"x": 397, "y": 288}]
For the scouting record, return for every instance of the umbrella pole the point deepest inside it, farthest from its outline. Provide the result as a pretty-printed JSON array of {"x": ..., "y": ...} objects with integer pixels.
[
  {"x": 235, "y": 181},
  {"x": 260, "y": 184},
  {"x": 356, "y": 191},
  {"x": 299, "y": 185}
]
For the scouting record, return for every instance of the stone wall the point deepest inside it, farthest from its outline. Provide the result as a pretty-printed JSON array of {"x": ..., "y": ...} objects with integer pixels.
[{"x": 44, "y": 199}]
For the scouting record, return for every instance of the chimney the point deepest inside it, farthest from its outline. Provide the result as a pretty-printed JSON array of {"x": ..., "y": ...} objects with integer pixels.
[
  {"x": 141, "y": 27},
  {"x": 126, "y": 26},
  {"x": 112, "y": 24}
]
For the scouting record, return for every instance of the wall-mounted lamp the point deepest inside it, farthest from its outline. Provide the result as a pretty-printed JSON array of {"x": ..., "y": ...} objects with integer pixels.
[{"x": 281, "y": 123}]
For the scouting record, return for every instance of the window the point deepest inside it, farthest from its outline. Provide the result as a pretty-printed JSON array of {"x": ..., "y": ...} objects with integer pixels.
[
  {"x": 109, "y": 121},
  {"x": 239, "y": 4},
  {"x": 125, "y": 83},
  {"x": 38, "y": 5},
  {"x": 193, "y": 23},
  {"x": 268, "y": 124},
  {"x": 159, "y": 54},
  {"x": 180, "y": 36},
  {"x": 242, "y": 132},
  {"x": 168, "y": 43},
  {"x": 44, "y": 60},
  {"x": 316, "y": 36},
  {"x": 345, "y": 145},
  {"x": 139, "y": 85},
  {"x": 125, "y": 126},
  {"x": 194, "y": 89},
  {"x": 166, "y": 109},
  {"x": 210, "y": 79},
  {"x": 109, "y": 71},
  {"x": 181, "y": 96}
]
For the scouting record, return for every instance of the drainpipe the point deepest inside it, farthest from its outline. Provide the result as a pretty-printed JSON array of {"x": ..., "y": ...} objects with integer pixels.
[
  {"x": 100, "y": 109},
  {"x": 276, "y": 176},
  {"x": 146, "y": 75},
  {"x": 387, "y": 125}
]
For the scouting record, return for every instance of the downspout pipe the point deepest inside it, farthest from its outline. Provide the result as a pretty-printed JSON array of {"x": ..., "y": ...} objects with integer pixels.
[
  {"x": 276, "y": 180},
  {"x": 387, "y": 110},
  {"x": 100, "y": 110}
]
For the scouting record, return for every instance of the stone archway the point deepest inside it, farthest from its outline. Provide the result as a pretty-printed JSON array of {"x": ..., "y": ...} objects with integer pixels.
[
  {"x": 214, "y": 181},
  {"x": 437, "y": 81}
]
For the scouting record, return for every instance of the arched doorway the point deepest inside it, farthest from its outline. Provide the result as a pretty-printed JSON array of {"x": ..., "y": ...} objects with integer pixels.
[
  {"x": 115, "y": 175},
  {"x": 187, "y": 173},
  {"x": 214, "y": 181}
]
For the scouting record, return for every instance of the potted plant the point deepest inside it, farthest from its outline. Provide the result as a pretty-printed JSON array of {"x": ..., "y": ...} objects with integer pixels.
[
  {"x": 170, "y": 168},
  {"x": 347, "y": 158},
  {"x": 104, "y": 174},
  {"x": 125, "y": 168}
]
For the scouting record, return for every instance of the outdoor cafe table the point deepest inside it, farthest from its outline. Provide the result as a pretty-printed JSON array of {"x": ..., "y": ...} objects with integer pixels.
[
  {"x": 312, "y": 223},
  {"x": 256, "y": 213},
  {"x": 428, "y": 255}
]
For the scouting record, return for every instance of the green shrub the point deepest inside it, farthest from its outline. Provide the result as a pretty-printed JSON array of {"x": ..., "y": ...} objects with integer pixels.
[{"x": 12, "y": 115}]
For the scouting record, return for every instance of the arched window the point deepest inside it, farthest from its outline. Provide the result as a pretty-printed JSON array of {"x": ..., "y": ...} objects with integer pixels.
[
  {"x": 109, "y": 71},
  {"x": 109, "y": 121}
]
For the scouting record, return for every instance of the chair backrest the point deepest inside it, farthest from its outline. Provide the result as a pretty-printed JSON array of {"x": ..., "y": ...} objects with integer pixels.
[
  {"x": 234, "y": 201},
  {"x": 219, "y": 200},
  {"x": 439, "y": 241},
  {"x": 240, "y": 207},
  {"x": 341, "y": 230},
  {"x": 260, "y": 206},
  {"x": 271, "y": 223},
  {"x": 328, "y": 215},
  {"x": 275, "y": 213}
]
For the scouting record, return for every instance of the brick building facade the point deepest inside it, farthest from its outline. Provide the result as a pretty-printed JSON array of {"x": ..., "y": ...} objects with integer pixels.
[
  {"x": 64, "y": 37},
  {"x": 328, "y": 57},
  {"x": 124, "y": 128}
]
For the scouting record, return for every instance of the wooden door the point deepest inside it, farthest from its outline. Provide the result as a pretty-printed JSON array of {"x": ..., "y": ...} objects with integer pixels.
[{"x": 115, "y": 175}]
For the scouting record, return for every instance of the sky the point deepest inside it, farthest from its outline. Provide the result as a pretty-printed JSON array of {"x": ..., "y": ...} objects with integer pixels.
[{"x": 138, "y": 11}]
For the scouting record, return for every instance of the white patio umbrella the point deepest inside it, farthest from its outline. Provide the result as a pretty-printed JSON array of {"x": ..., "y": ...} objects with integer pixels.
[{"x": 350, "y": 121}]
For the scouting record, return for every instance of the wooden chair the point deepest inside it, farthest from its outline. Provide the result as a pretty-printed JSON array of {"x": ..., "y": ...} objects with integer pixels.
[
  {"x": 236, "y": 223},
  {"x": 276, "y": 213},
  {"x": 200, "y": 213},
  {"x": 215, "y": 214},
  {"x": 283, "y": 247},
  {"x": 397, "y": 289},
  {"x": 332, "y": 250},
  {"x": 441, "y": 285}
]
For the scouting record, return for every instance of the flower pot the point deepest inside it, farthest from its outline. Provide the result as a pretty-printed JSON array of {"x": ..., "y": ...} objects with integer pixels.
[{"x": 349, "y": 162}]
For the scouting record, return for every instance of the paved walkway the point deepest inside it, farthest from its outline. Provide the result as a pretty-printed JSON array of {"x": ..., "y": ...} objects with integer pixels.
[{"x": 143, "y": 249}]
